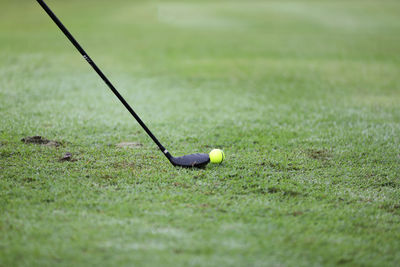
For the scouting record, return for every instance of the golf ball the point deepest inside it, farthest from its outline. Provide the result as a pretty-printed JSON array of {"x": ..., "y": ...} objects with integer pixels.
[{"x": 217, "y": 156}]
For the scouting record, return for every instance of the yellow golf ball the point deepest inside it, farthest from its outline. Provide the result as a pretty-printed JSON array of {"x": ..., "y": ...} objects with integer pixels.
[{"x": 217, "y": 156}]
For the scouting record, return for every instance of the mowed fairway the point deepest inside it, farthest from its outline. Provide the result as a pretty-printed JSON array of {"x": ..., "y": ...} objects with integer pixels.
[{"x": 303, "y": 97}]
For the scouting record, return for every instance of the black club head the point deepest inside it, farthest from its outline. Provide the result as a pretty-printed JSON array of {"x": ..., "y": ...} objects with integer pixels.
[{"x": 191, "y": 161}]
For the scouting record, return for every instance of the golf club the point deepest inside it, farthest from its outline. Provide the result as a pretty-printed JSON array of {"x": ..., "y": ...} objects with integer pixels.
[{"x": 192, "y": 160}]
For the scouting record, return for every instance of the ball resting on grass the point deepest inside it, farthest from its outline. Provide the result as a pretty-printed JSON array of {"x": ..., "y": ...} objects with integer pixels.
[{"x": 217, "y": 156}]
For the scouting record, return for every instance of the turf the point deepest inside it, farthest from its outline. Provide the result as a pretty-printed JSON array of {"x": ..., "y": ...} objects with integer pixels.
[{"x": 303, "y": 97}]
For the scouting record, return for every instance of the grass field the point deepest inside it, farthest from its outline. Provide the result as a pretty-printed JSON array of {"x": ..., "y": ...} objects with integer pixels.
[{"x": 303, "y": 97}]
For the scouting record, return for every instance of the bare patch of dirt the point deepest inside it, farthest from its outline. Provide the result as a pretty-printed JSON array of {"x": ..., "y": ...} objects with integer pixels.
[
  {"x": 320, "y": 154},
  {"x": 39, "y": 140},
  {"x": 67, "y": 157}
]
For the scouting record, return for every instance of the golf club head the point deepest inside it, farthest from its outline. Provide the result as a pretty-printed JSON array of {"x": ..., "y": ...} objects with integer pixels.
[{"x": 191, "y": 161}]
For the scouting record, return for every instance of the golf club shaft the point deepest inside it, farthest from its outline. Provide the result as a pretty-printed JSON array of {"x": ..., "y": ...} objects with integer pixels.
[{"x": 101, "y": 74}]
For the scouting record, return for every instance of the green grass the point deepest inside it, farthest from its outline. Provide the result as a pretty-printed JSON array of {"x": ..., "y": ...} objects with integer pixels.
[{"x": 303, "y": 97}]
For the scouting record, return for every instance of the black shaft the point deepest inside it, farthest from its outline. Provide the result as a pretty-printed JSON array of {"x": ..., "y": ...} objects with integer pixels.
[{"x": 100, "y": 73}]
